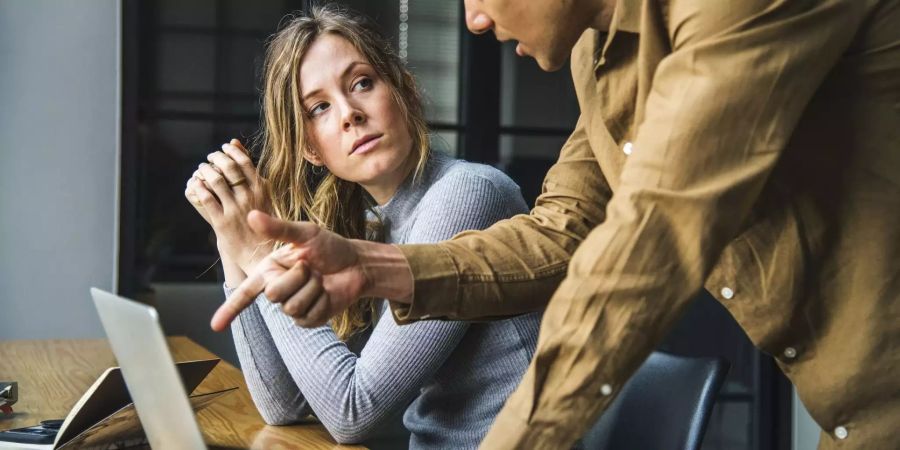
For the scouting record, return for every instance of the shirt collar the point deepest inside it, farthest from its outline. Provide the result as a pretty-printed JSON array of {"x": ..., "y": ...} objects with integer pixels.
[
  {"x": 627, "y": 15},
  {"x": 627, "y": 18}
]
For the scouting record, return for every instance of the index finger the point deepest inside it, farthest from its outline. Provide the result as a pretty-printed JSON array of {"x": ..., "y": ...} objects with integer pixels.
[
  {"x": 239, "y": 153},
  {"x": 240, "y": 156},
  {"x": 237, "y": 143},
  {"x": 241, "y": 298}
]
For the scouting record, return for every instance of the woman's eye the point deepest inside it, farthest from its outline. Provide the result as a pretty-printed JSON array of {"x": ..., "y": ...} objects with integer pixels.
[
  {"x": 363, "y": 84},
  {"x": 318, "y": 109}
]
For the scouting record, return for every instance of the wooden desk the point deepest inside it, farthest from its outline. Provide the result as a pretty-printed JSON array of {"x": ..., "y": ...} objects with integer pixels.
[{"x": 53, "y": 375}]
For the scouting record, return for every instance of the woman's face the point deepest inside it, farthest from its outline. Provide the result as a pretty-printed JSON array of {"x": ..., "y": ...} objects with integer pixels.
[{"x": 357, "y": 130}]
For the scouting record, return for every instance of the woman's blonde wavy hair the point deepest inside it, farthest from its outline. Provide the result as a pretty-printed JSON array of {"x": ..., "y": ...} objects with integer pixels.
[{"x": 296, "y": 190}]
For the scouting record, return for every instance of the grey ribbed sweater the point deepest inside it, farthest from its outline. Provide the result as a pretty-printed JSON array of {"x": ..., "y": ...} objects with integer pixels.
[{"x": 451, "y": 378}]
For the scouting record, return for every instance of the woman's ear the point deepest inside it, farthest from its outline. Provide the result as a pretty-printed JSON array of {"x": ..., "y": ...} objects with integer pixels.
[{"x": 313, "y": 157}]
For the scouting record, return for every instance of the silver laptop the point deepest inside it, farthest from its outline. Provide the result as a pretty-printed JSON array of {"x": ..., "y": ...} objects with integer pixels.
[{"x": 156, "y": 389}]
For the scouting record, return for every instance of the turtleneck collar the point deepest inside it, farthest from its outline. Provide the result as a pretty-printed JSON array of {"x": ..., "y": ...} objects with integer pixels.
[{"x": 397, "y": 211}]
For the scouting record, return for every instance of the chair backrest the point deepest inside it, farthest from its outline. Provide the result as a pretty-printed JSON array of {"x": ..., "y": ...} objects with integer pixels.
[{"x": 665, "y": 405}]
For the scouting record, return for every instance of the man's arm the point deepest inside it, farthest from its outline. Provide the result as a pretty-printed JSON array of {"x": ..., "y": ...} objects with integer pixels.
[
  {"x": 511, "y": 268},
  {"x": 514, "y": 266},
  {"x": 721, "y": 108}
]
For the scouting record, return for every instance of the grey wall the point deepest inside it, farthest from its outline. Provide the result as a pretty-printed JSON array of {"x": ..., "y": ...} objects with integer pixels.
[{"x": 59, "y": 79}]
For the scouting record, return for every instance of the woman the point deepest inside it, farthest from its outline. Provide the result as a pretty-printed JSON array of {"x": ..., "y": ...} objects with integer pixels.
[{"x": 345, "y": 145}]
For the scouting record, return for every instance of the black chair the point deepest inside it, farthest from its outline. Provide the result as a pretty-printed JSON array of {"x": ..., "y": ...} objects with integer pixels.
[{"x": 664, "y": 406}]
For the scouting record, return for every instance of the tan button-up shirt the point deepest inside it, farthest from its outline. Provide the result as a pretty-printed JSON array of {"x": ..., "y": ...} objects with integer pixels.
[{"x": 752, "y": 146}]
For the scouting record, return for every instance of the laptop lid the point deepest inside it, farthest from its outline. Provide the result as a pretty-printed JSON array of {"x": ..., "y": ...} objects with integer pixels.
[{"x": 156, "y": 389}]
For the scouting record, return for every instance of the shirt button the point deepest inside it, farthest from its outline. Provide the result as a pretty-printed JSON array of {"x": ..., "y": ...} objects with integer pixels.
[
  {"x": 790, "y": 353},
  {"x": 727, "y": 293},
  {"x": 840, "y": 433},
  {"x": 627, "y": 148},
  {"x": 606, "y": 389}
]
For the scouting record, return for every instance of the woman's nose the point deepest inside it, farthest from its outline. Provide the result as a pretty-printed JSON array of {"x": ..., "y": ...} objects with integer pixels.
[{"x": 353, "y": 118}]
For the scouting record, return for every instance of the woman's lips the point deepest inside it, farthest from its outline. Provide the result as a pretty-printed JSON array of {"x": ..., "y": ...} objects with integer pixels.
[{"x": 367, "y": 146}]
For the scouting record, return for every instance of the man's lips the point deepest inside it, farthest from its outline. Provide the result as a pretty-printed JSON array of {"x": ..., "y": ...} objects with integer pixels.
[
  {"x": 365, "y": 143},
  {"x": 520, "y": 49}
]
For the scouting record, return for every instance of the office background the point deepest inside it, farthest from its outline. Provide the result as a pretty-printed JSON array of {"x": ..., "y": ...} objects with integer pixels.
[{"x": 106, "y": 107}]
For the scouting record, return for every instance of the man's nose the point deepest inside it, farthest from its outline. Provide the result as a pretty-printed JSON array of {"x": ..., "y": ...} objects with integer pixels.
[{"x": 476, "y": 20}]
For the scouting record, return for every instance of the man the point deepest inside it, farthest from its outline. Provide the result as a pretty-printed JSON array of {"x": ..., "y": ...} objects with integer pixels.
[{"x": 749, "y": 145}]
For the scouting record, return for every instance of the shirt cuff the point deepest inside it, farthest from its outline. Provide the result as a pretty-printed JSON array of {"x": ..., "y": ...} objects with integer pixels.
[{"x": 435, "y": 284}]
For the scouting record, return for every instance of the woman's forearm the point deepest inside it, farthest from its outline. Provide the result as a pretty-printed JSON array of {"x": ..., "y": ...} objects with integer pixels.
[{"x": 234, "y": 275}]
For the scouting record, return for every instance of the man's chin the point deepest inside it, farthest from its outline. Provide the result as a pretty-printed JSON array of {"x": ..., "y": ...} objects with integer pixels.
[{"x": 549, "y": 64}]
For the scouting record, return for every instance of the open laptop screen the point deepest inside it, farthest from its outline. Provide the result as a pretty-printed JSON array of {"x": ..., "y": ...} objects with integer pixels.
[{"x": 156, "y": 389}]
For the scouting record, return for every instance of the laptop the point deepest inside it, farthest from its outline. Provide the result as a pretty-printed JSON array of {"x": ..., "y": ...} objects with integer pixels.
[{"x": 149, "y": 371}]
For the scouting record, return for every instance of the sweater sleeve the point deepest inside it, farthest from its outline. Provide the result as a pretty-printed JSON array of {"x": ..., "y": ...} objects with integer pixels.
[
  {"x": 352, "y": 394},
  {"x": 275, "y": 394}
]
